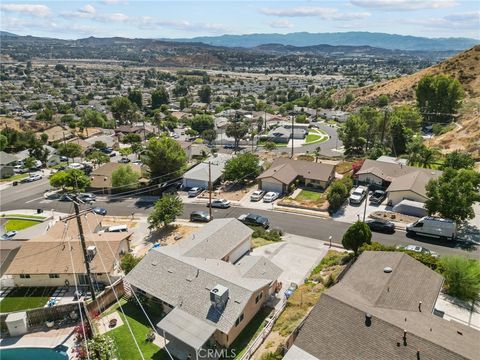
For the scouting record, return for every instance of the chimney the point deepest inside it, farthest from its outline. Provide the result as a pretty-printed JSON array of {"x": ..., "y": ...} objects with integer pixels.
[{"x": 420, "y": 306}]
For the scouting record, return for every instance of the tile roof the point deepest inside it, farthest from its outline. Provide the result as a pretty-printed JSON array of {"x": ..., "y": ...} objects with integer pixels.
[
  {"x": 337, "y": 327},
  {"x": 286, "y": 170}
]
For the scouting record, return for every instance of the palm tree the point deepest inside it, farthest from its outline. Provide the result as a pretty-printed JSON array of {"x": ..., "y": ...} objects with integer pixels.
[
  {"x": 428, "y": 156},
  {"x": 316, "y": 153}
]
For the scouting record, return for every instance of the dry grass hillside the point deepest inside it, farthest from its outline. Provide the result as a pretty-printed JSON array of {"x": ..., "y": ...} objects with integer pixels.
[{"x": 466, "y": 68}]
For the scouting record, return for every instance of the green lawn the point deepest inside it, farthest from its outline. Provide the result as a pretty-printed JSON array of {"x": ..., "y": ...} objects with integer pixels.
[
  {"x": 309, "y": 195},
  {"x": 15, "y": 177},
  {"x": 140, "y": 327},
  {"x": 279, "y": 145},
  {"x": 23, "y": 298},
  {"x": 23, "y": 216},
  {"x": 15, "y": 224},
  {"x": 316, "y": 136}
]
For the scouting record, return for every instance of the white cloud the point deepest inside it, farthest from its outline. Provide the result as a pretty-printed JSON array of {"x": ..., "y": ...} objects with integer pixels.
[
  {"x": 188, "y": 26},
  {"x": 298, "y": 11},
  {"x": 87, "y": 9},
  {"x": 115, "y": 17},
  {"x": 112, "y": 2},
  {"x": 29, "y": 9},
  {"x": 323, "y": 13},
  {"x": 468, "y": 20},
  {"x": 404, "y": 5},
  {"x": 280, "y": 24}
]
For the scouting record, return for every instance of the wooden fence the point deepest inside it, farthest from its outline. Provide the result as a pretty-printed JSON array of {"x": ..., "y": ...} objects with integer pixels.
[{"x": 106, "y": 298}]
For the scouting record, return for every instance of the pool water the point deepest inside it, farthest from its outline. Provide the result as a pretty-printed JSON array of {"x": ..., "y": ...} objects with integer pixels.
[{"x": 59, "y": 353}]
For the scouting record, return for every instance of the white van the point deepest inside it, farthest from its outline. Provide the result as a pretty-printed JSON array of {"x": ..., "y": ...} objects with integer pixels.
[
  {"x": 118, "y": 228},
  {"x": 434, "y": 227}
]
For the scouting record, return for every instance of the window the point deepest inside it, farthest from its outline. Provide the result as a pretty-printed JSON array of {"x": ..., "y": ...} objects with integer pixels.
[
  {"x": 24, "y": 276},
  {"x": 53, "y": 276},
  {"x": 418, "y": 225},
  {"x": 239, "y": 320},
  {"x": 259, "y": 296}
]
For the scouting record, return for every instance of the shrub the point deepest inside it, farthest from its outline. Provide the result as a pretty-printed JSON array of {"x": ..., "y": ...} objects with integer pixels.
[
  {"x": 271, "y": 235},
  {"x": 462, "y": 276}
]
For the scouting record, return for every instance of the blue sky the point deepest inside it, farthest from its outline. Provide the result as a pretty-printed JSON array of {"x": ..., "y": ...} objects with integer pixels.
[{"x": 182, "y": 18}]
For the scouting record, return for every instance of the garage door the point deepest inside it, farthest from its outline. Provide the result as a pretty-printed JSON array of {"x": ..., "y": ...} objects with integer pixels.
[
  {"x": 271, "y": 186},
  {"x": 189, "y": 183}
]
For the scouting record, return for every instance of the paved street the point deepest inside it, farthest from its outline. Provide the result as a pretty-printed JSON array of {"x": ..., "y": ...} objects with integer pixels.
[{"x": 30, "y": 196}]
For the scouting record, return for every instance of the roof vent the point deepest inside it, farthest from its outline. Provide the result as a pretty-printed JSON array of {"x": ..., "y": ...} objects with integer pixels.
[
  {"x": 368, "y": 319},
  {"x": 387, "y": 269}
]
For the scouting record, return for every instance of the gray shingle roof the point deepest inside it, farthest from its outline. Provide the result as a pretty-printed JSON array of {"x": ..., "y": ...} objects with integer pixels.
[
  {"x": 6, "y": 158},
  {"x": 286, "y": 170},
  {"x": 337, "y": 328},
  {"x": 389, "y": 171},
  {"x": 200, "y": 172}
]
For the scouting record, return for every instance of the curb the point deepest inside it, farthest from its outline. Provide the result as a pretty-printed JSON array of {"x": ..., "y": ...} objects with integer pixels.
[{"x": 300, "y": 212}]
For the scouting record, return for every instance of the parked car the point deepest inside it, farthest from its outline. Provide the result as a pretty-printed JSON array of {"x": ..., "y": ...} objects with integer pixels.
[
  {"x": 270, "y": 196},
  {"x": 381, "y": 226},
  {"x": 107, "y": 150},
  {"x": 66, "y": 197},
  {"x": 124, "y": 160},
  {"x": 220, "y": 203},
  {"x": 257, "y": 195},
  {"x": 9, "y": 235},
  {"x": 291, "y": 289},
  {"x": 113, "y": 154},
  {"x": 63, "y": 158},
  {"x": 254, "y": 220},
  {"x": 229, "y": 146},
  {"x": 31, "y": 178},
  {"x": 378, "y": 196},
  {"x": 118, "y": 228},
  {"x": 200, "y": 216},
  {"x": 418, "y": 249},
  {"x": 433, "y": 227},
  {"x": 99, "y": 211},
  {"x": 52, "y": 195},
  {"x": 195, "y": 191},
  {"x": 358, "y": 195},
  {"x": 87, "y": 197}
]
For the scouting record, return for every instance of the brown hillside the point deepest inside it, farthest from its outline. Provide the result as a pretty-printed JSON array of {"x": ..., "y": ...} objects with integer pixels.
[{"x": 466, "y": 68}]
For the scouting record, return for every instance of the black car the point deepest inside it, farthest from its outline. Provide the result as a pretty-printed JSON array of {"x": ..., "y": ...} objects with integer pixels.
[
  {"x": 254, "y": 220},
  {"x": 124, "y": 160},
  {"x": 200, "y": 216},
  {"x": 378, "y": 196},
  {"x": 107, "y": 150},
  {"x": 381, "y": 226},
  {"x": 99, "y": 211}
]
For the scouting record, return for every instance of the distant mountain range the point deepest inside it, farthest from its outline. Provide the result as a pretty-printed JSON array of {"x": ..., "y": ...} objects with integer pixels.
[{"x": 354, "y": 38}]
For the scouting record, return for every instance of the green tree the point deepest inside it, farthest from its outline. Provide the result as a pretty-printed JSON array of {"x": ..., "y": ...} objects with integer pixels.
[
  {"x": 383, "y": 100},
  {"x": 462, "y": 277},
  {"x": 453, "y": 194},
  {"x": 29, "y": 163},
  {"x": 201, "y": 123},
  {"x": 125, "y": 151},
  {"x": 44, "y": 138},
  {"x": 352, "y": 133},
  {"x": 128, "y": 262},
  {"x": 98, "y": 157},
  {"x": 71, "y": 179},
  {"x": 205, "y": 94},
  {"x": 99, "y": 145},
  {"x": 420, "y": 154},
  {"x": 70, "y": 150},
  {"x": 357, "y": 235},
  {"x": 165, "y": 158},
  {"x": 160, "y": 97},
  {"x": 242, "y": 167},
  {"x": 336, "y": 195},
  {"x": 94, "y": 118},
  {"x": 458, "y": 160},
  {"x": 399, "y": 136},
  {"x": 236, "y": 129},
  {"x": 165, "y": 211},
  {"x": 438, "y": 96},
  {"x": 125, "y": 177},
  {"x": 409, "y": 115},
  {"x": 131, "y": 138},
  {"x": 3, "y": 142},
  {"x": 122, "y": 109},
  {"x": 209, "y": 135},
  {"x": 135, "y": 96}
]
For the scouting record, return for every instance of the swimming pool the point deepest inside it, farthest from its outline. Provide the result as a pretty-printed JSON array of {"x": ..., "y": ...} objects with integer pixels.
[{"x": 59, "y": 353}]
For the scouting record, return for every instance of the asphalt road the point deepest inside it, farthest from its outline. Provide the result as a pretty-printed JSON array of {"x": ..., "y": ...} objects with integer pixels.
[{"x": 30, "y": 196}]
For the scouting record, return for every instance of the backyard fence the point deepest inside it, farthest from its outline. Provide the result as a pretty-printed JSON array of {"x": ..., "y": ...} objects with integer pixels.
[
  {"x": 106, "y": 298},
  {"x": 39, "y": 316},
  {"x": 264, "y": 333}
]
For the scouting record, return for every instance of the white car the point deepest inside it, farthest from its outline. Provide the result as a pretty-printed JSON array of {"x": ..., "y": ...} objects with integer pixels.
[
  {"x": 358, "y": 195},
  {"x": 31, "y": 178},
  {"x": 8, "y": 235},
  {"x": 257, "y": 195},
  {"x": 270, "y": 196},
  {"x": 418, "y": 249},
  {"x": 195, "y": 191}
]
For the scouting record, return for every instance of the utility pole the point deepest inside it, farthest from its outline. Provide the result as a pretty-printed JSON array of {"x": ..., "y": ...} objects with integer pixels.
[
  {"x": 84, "y": 248},
  {"x": 365, "y": 208},
  {"x": 210, "y": 189},
  {"x": 293, "y": 120},
  {"x": 384, "y": 124},
  {"x": 251, "y": 129}
]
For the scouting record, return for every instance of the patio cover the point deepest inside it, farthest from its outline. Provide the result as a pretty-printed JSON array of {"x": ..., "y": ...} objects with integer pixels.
[{"x": 187, "y": 328}]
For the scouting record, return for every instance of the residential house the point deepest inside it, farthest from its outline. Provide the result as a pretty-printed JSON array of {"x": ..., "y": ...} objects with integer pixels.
[
  {"x": 399, "y": 180},
  {"x": 383, "y": 308},
  {"x": 101, "y": 178},
  {"x": 284, "y": 172},
  {"x": 283, "y": 134},
  {"x": 8, "y": 250},
  {"x": 56, "y": 257},
  {"x": 198, "y": 176},
  {"x": 207, "y": 285},
  {"x": 122, "y": 130},
  {"x": 7, "y": 163}
]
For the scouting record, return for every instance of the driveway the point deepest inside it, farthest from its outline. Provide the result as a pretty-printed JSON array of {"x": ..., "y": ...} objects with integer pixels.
[
  {"x": 296, "y": 256},
  {"x": 352, "y": 213}
]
